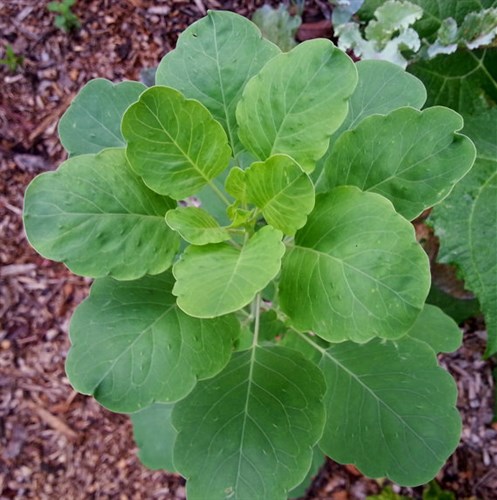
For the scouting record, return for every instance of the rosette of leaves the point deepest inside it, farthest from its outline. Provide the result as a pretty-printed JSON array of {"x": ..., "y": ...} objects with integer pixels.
[{"x": 246, "y": 323}]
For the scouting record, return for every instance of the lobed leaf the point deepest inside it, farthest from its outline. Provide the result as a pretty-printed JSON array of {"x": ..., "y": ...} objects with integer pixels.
[
  {"x": 93, "y": 120},
  {"x": 249, "y": 432},
  {"x": 95, "y": 215},
  {"x": 218, "y": 278},
  {"x": 356, "y": 271},
  {"x": 174, "y": 143},
  {"x": 132, "y": 346},
  {"x": 296, "y": 102},
  {"x": 213, "y": 60},
  {"x": 413, "y": 158}
]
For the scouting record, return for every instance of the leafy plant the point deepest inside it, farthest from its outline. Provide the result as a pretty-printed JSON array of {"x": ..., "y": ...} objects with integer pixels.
[
  {"x": 11, "y": 59},
  {"x": 291, "y": 324},
  {"x": 66, "y": 20}
]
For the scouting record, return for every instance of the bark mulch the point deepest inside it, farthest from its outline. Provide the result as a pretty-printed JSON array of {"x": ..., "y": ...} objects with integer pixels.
[{"x": 54, "y": 443}]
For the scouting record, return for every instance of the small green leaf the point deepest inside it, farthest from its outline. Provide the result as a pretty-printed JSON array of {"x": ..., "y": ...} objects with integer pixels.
[
  {"x": 196, "y": 226},
  {"x": 413, "y": 158},
  {"x": 155, "y": 436},
  {"x": 437, "y": 329},
  {"x": 249, "y": 432},
  {"x": 364, "y": 276},
  {"x": 219, "y": 278},
  {"x": 390, "y": 409},
  {"x": 282, "y": 191},
  {"x": 96, "y": 215},
  {"x": 132, "y": 346},
  {"x": 213, "y": 60},
  {"x": 236, "y": 185},
  {"x": 318, "y": 460},
  {"x": 296, "y": 102},
  {"x": 174, "y": 143},
  {"x": 92, "y": 121}
]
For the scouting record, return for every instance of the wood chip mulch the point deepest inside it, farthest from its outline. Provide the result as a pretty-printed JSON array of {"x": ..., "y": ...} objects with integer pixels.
[{"x": 54, "y": 443}]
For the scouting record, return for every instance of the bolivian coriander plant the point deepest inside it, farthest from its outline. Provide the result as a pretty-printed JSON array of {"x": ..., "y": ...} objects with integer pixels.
[{"x": 259, "y": 294}]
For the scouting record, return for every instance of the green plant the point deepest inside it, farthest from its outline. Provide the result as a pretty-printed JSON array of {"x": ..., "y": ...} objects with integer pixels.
[
  {"x": 11, "y": 59},
  {"x": 66, "y": 20},
  {"x": 291, "y": 322}
]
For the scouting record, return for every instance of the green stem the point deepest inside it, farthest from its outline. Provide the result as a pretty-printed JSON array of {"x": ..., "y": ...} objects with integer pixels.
[
  {"x": 309, "y": 341},
  {"x": 219, "y": 193},
  {"x": 256, "y": 315}
]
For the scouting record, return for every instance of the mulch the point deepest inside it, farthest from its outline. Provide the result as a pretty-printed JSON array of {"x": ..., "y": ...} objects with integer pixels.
[{"x": 55, "y": 443}]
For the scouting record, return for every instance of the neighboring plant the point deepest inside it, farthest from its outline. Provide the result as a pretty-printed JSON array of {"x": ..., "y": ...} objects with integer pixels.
[
  {"x": 291, "y": 324},
  {"x": 11, "y": 59},
  {"x": 65, "y": 19},
  {"x": 432, "y": 491}
]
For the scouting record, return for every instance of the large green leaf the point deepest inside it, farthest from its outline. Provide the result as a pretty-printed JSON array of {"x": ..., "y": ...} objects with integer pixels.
[
  {"x": 356, "y": 271},
  {"x": 213, "y": 60},
  {"x": 296, "y": 102},
  {"x": 411, "y": 157},
  {"x": 132, "y": 346},
  {"x": 466, "y": 222},
  {"x": 155, "y": 436},
  {"x": 390, "y": 409},
  {"x": 437, "y": 329},
  {"x": 93, "y": 120},
  {"x": 174, "y": 143},
  {"x": 281, "y": 190},
  {"x": 96, "y": 215},
  {"x": 249, "y": 432},
  {"x": 219, "y": 278}
]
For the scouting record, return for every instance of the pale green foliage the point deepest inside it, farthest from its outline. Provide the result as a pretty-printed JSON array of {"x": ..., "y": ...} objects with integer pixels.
[
  {"x": 251, "y": 324},
  {"x": 11, "y": 59}
]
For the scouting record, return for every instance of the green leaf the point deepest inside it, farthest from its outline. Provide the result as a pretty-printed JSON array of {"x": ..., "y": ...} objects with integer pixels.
[
  {"x": 387, "y": 494},
  {"x": 132, "y": 346},
  {"x": 318, "y": 460},
  {"x": 282, "y": 191},
  {"x": 95, "y": 215},
  {"x": 390, "y": 409},
  {"x": 155, "y": 436},
  {"x": 411, "y": 157},
  {"x": 433, "y": 491},
  {"x": 466, "y": 222},
  {"x": 363, "y": 277},
  {"x": 296, "y": 102},
  {"x": 92, "y": 121},
  {"x": 174, "y": 143},
  {"x": 212, "y": 62},
  {"x": 236, "y": 184},
  {"x": 248, "y": 433},
  {"x": 436, "y": 329},
  {"x": 196, "y": 226},
  {"x": 458, "y": 309},
  {"x": 219, "y": 278}
]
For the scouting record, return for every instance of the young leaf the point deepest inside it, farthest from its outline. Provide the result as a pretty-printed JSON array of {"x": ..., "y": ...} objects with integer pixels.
[
  {"x": 196, "y": 226},
  {"x": 212, "y": 62},
  {"x": 467, "y": 222},
  {"x": 363, "y": 276},
  {"x": 283, "y": 193},
  {"x": 217, "y": 279},
  {"x": 155, "y": 436},
  {"x": 411, "y": 157},
  {"x": 93, "y": 120},
  {"x": 437, "y": 329},
  {"x": 236, "y": 184},
  {"x": 249, "y": 432},
  {"x": 132, "y": 346},
  {"x": 96, "y": 215},
  {"x": 174, "y": 143},
  {"x": 390, "y": 409},
  {"x": 296, "y": 102}
]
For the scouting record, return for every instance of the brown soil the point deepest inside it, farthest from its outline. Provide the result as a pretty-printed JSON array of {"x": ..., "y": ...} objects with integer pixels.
[{"x": 54, "y": 443}]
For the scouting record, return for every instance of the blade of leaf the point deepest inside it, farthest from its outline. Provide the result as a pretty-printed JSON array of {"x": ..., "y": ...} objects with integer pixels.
[
  {"x": 132, "y": 346},
  {"x": 363, "y": 277},
  {"x": 296, "y": 102},
  {"x": 218, "y": 278},
  {"x": 174, "y": 143},
  {"x": 249, "y": 432},
  {"x": 413, "y": 158},
  {"x": 96, "y": 215},
  {"x": 155, "y": 436},
  {"x": 93, "y": 120},
  {"x": 213, "y": 60}
]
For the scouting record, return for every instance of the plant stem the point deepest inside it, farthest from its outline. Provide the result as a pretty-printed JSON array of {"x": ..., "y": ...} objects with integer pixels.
[
  {"x": 256, "y": 315},
  {"x": 309, "y": 341},
  {"x": 219, "y": 193}
]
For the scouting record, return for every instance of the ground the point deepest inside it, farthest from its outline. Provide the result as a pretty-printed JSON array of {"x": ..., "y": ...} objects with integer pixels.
[{"x": 54, "y": 443}]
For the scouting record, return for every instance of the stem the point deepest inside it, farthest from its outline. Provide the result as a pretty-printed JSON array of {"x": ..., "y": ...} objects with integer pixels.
[
  {"x": 219, "y": 193},
  {"x": 309, "y": 341},
  {"x": 256, "y": 314}
]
